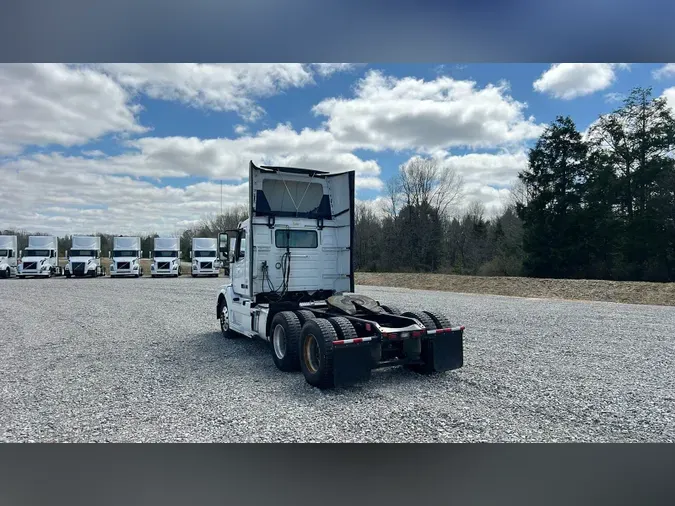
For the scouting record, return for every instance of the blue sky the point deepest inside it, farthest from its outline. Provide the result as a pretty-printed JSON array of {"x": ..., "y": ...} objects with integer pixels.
[{"x": 135, "y": 148}]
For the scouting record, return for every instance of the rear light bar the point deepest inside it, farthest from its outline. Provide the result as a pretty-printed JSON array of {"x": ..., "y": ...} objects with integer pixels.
[
  {"x": 354, "y": 341},
  {"x": 398, "y": 335},
  {"x": 443, "y": 331},
  {"x": 403, "y": 335}
]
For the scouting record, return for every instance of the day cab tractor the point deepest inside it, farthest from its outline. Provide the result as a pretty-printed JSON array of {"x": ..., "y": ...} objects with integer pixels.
[{"x": 292, "y": 285}]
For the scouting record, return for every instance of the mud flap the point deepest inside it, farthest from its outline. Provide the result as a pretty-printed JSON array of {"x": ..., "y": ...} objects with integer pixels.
[
  {"x": 352, "y": 363},
  {"x": 446, "y": 350}
]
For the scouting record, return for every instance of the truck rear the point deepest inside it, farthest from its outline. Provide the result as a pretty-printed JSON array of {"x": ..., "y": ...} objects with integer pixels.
[
  {"x": 40, "y": 258},
  {"x": 125, "y": 257},
  {"x": 9, "y": 255},
  {"x": 84, "y": 257},
  {"x": 204, "y": 257},
  {"x": 166, "y": 257},
  {"x": 292, "y": 285}
]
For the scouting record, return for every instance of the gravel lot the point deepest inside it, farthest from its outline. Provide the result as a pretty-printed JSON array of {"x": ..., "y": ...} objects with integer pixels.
[{"x": 142, "y": 360}]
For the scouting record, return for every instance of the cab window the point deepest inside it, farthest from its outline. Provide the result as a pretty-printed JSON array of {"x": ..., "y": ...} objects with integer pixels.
[{"x": 286, "y": 238}]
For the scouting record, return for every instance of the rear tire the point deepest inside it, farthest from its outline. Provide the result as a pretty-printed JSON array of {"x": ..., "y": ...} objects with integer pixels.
[
  {"x": 429, "y": 321},
  {"x": 284, "y": 340},
  {"x": 316, "y": 353},
  {"x": 391, "y": 309},
  {"x": 424, "y": 318},
  {"x": 304, "y": 315},
  {"x": 343, "y": 327},
  {"x": 441, "y": 321}
]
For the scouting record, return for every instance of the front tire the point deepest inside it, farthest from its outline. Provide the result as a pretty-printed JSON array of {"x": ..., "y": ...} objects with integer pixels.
[
  {"x": 225, "y": 329},
  {"x": 316, "y": 353}
]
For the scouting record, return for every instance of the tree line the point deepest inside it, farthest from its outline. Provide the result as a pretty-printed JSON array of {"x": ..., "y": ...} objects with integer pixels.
[{"x": 597, "y": 205}]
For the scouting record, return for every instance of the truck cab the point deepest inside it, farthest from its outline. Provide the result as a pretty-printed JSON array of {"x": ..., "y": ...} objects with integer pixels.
[
  {"x": 166, "y": 257},
  {"x": 292, "y": 285},
  {"x": 204, "y": 257},
  {"x": 125, "y": 258},
  {"x": 40, "y": 258},
  {"x": 8, "y": 256},
  {"x": 84, "y": 257}
]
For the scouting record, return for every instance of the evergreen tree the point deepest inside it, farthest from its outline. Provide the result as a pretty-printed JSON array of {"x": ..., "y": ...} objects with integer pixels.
[{"x": 554, "y": 180}]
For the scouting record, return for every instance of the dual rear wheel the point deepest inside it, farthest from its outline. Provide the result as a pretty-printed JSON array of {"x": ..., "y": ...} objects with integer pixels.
[{"x": 301, "y": 341}]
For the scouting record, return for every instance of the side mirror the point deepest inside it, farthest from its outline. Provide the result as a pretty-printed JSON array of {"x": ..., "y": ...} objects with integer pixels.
[
  {"x": 20, "y": 252},
  {"x": 109, "y": 254},
  {"x": 149, "y": 254},
  {"x": 141, "y": 254},
  {"x": 190, "y": 255}
]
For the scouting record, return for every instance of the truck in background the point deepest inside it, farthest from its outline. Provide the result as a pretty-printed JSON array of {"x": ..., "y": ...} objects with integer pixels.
[
  {"x": 292, "y": 285},
  {"x": 9, "y": 254},
  {"x": 166, "y": 257},
  {"x": 40, "y": 258},
  {"x": 125, "y": 258},
  {"x": 204, "y": 256},
  {"x": 84, "y": 257}
]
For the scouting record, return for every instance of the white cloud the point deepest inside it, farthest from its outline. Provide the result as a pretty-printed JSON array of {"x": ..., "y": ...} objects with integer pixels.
[
  {"x": 59, "y": 104},
  {"x": 75, "y": 201},
  {"x": 668, "y": 70},
  {"x": 409, "y": 113},
  {"x": 69, "y": 105},
  {"x": 328, "y": 69},
  {"x": 228, "y": 158},
  {"x": 220, "y": 87},
  {"x": 233, "y": 87},
  {"x": 669, "y": 95},
  {"x": 98, "y": 191},
  {"x": 614, "y": 97},
  {"x": 54, "y": 192},
  {"x": 571, "y": 80},
  {"x": 486, "y": 177}
]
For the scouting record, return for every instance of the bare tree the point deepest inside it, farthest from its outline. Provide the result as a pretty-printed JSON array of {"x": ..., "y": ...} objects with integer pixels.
[
  {"x": 423, "y": 182},
  {"x": 518, "y": 194},
  {"x": 391, "y": 202}
]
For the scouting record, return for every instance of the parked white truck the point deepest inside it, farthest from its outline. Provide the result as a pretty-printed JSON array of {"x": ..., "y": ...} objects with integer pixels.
[
  {"x": 40, "y": 258},
  {"x": 84, "y": 257},
  {"x": 166, "y": 257},
  {"x": 9, "y": 253},
  {"x": 292, "y": 283},
  {"x": 125, "y": 258},
  {"x": 204, "y": 256}
]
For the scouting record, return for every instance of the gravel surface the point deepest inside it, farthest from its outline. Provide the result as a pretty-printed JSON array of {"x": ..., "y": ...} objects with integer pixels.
[{"x": 142, "y": 360}]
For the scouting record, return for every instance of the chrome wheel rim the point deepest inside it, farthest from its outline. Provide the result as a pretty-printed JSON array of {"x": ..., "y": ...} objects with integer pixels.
[
  {"x": 224, "y": 322},
  {"x": 279, "y": 341}
]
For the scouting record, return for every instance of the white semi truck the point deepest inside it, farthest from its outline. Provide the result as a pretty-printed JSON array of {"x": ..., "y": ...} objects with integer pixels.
[
  {"x": 9, "y": 253},
  {"x": 204, "y": 256},
  {"x": 166, "y": 257},
  {"x": 40, "y": 258},
  {"x": 125, "y": 258},
  {"x": 84, "y": 257},
  {"x": 292, "y": 285}
]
